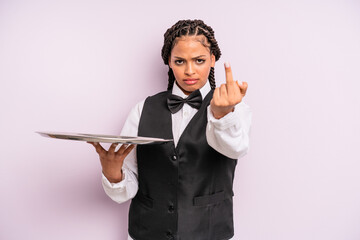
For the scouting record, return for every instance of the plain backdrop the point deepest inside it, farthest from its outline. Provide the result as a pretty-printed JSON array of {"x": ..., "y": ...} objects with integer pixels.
[{"x": 80, "y": 66}]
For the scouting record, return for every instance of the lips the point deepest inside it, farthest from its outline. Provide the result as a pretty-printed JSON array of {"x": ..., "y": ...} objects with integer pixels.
[{"x": 190, "y": 81}]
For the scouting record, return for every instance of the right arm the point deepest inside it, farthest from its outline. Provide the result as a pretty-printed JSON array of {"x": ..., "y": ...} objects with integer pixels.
[{"x": 119, "y": 178}]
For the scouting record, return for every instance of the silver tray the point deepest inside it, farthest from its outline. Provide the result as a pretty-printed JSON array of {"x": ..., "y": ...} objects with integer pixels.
[{"x": 102, "y": 138}]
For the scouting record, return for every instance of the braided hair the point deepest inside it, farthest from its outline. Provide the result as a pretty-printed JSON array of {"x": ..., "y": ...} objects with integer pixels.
[{"x": 189, "y": 28}]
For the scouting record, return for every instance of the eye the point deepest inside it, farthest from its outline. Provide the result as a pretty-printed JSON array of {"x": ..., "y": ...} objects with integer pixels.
[
  {"x": 200, "y": 61},
  {"x": 179, "y": 62}
]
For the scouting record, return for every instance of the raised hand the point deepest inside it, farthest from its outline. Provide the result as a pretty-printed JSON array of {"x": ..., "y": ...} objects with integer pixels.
[
  {"x": 227, "y": 95},
  {"x": 111, "y": 161}
]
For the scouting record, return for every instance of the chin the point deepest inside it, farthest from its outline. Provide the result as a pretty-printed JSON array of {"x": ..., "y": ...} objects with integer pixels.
[
  {"x": 187, "y": 89},
  {"x": 191, "y": 89}
]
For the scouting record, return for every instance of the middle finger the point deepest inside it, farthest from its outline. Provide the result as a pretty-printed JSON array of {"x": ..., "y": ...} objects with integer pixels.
[
  {"x": 228, "y": 73},
  {"x": 112, "y": 148}
]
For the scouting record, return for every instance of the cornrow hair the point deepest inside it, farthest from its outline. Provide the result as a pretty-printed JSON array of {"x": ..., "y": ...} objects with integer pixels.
[{"x": 189, "y": 28}]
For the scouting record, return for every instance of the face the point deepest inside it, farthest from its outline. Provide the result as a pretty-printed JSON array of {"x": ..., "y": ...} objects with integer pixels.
[{"x": 191, "y": 62}]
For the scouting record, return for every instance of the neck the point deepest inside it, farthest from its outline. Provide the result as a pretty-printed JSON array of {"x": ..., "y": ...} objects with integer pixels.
[{"x": 183, "y": 90}]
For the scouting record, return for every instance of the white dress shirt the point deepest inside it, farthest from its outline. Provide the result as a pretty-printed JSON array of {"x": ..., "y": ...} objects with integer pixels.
[{"x": 228, "y": 135}]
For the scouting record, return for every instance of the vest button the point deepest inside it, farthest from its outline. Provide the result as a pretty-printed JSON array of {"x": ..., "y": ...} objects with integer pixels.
[
  {"x": 169, "y": 235},
  {"x": 174, "y": 157},
  {"x": 171, "y": 209}
]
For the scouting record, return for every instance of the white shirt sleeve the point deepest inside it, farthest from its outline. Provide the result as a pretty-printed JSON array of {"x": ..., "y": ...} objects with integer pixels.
[
  {"x": 229, "y": 135},
  {"x": 126, "y": 189}
]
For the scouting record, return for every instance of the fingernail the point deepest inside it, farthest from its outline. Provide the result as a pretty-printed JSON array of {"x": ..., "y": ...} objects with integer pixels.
[
  {"x": 240, "y": 83},
  {"x": 227, "y": 64}
]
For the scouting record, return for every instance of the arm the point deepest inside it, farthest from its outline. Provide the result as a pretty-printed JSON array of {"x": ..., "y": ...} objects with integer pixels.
[
  {"x": 229, "y": 135},
  {"x": 127, "y": 188},
  {"x": 125, "y": 185},
  {"x": 229, "y": 118}
]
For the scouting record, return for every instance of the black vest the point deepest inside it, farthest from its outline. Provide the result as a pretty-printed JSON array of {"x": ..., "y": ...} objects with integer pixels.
[{"x": 185, "y": 193}]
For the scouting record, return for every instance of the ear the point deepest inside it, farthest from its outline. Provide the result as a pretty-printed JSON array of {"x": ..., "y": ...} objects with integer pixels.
[{"x": 212, "y": 58}]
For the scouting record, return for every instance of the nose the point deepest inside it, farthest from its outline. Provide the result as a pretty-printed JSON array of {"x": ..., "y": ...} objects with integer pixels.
[{"x": 189, "y": 69}]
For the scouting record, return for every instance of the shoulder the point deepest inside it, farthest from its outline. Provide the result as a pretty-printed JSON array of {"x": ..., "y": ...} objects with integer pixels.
[
  {"x": 133, "y": 119},
  {"x": 159, "y": 95},
  {"x": 157, "y": 98},
  {"x": 137, "y": 109}
]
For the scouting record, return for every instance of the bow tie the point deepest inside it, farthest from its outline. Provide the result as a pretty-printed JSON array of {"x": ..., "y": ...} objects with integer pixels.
[{"x": 175, "y": 103}]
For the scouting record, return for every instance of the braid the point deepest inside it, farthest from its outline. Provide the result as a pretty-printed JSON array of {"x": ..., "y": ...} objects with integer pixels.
[
  {"x": 189, "y": 28},
  {"x": 212, "y": 78},
  {"x": 171, "y": 79}
]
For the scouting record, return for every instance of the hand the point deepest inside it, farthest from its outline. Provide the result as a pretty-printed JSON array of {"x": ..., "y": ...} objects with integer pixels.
[
  {"x": 227, "y": 95},
  {"x": 111, "y": 161}
]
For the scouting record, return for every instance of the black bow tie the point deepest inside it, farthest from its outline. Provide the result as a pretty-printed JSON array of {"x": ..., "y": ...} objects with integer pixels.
[{"x": 175, "y": 103}]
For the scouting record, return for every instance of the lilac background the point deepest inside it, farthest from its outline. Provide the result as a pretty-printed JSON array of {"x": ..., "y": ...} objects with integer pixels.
[{"x": 81, "y": 65}]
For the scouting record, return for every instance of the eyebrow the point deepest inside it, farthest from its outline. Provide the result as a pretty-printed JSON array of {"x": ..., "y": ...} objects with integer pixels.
[{"x": 192, "y": 58}]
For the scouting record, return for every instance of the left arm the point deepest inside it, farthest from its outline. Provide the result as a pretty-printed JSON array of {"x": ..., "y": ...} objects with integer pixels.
[
  {"x": 229, "y": 119},
  {"x": 229, "y": 135}
]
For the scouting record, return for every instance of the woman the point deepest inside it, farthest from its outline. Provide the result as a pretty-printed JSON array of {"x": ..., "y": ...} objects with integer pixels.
[{"x": 182, "y": 189}]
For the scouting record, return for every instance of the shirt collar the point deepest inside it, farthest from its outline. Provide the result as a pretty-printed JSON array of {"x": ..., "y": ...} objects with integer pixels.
[{"x": 204, "y": 90}]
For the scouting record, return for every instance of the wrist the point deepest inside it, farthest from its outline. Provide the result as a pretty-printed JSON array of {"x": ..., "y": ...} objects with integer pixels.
[
  {"x": 222, "y": 113},
  {"x": 115, "y": 177}
]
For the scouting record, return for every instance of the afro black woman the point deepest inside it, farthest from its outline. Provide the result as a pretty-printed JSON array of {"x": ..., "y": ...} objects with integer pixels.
[{"x": 182, "y": 189}]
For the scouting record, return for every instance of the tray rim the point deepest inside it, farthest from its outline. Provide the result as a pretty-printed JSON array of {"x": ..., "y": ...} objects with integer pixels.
[{"x": 103, "y": 138}]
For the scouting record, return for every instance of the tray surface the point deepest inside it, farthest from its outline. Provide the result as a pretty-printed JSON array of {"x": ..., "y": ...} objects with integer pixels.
[{"x": 102, "y": 138}]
